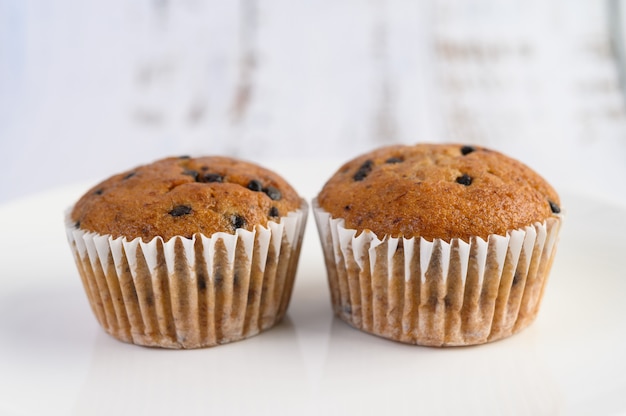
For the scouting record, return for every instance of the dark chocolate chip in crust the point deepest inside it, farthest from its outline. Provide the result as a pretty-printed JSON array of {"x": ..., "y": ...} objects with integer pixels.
[
  {"x": 99, "y": 191},
  {"x": 130, "y": 175},
  {"x": 273, "y": 193},
  {"x": 464, "y": 179},
  {"x": 363, "y": 171},
  {"x": 554, "y": 207},
  {"x": 347, "y": 207},
  {"x": 213, "y": 177},
  {"x": 77, "y": 224},
  {"x": 193, "y": 173},
  {"x": 237, "y": 221},
  {"x": 184, "y": 157},
  {"x": 466, "y": 150},
  {"x": 393, "y": 160},
  {"x": 180, "y": 210},
  {"x": 255, "y": 185},
  {"x": 274, "y": 212}
]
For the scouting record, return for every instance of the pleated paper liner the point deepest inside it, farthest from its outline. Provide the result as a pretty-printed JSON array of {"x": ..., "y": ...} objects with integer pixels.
[
  {"x": 437, "y": 293},
  {"x": 190, "y": 293}
]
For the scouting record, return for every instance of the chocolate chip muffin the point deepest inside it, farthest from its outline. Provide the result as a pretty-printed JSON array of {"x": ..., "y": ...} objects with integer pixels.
[
  {"x": 188, "y": 252},
  {"x": 437, "y": 244}
]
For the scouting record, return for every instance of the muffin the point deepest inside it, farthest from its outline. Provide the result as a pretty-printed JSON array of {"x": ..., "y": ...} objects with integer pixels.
[
  {"x": 437, "y": 244},
  {"x": 188, "y": 252}
]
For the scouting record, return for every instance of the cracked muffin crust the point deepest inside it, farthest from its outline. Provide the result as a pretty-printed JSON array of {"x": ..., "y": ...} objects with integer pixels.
[
  {"x": 437, "y": 191},
  {"x": 184, "y": 196}
]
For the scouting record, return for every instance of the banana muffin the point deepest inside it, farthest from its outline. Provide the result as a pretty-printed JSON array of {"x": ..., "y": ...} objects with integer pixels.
[
  {"x": 188, "y": 252},
  {"x": 437, "y": 244}
]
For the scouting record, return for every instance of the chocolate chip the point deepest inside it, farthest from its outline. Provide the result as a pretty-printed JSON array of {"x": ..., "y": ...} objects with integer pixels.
[
  {"x": 99, "y": 191},
  {"x": 180, "y": 210},
  {"x": 464, "y": 179},
  {"x": 273, "y": 193},
  {"x": 347, "y": 207},
  {"x": 554, "y": 207},
  {"x": 255, "y": 185},
  {"x": 274, "y": 212},
  {"x": 237, "y": 221},
  {"x": 363, "y": 171},
  {"x": 193, "y": 173},
  {"x": 394, "y": 160},
  {"x": 466, "y": 150},
  {"x": 77, "y": 224},
  {"x": 213, "y": 177},
  {"x": 184, "y": 157},
  {"x": 130, "y": 175}
]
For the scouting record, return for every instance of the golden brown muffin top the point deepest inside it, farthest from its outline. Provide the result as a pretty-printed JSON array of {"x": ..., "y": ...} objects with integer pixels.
[
  {"x": 437, "y": 191},
  {"x": 184, "y": 196}
]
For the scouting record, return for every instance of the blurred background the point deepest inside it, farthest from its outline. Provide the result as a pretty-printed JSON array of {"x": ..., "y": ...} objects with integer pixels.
[{"x": 89, "y": 88}]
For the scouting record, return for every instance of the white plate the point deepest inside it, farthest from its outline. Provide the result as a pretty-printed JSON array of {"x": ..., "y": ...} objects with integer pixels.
[{"x": 55, "y": 359}]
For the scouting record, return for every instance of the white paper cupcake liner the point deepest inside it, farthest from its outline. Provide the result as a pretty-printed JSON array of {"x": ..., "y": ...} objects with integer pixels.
[
  {"x": 437, "y": 293},
  {"x": 190, "y": 293}
]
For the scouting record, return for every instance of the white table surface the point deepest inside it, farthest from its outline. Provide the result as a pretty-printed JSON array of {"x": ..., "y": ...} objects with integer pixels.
[{"x": 55, "y": 359}]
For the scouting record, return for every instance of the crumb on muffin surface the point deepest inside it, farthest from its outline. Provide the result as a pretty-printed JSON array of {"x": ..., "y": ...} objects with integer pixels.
[
  {"x": 184, "y": 196},
  {"x": 437, "y": 191}
]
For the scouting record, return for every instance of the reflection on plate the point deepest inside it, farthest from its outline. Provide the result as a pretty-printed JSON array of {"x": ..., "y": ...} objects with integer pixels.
[{"x": 55, "y": 360}]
